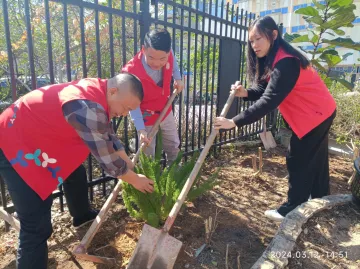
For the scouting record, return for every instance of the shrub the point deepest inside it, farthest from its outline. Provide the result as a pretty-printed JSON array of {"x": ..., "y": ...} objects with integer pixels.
[
  {"x": 168, "y": 183},
  {"x": 346, "y": 126}
]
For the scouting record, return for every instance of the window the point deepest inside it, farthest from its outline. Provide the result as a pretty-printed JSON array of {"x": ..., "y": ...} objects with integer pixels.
[
  {"x": 284, "y": 3},
  {"x": 258, "y": 7},
  {"x": 276, "y": 18},
  {"x": 265, "y": 5},
  {"x": 295, "y": 19}
]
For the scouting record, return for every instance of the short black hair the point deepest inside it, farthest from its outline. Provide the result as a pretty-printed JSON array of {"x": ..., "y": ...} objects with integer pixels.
[
  {"x": 158, "y": 39},
  {"x": 136, "y": 85}
]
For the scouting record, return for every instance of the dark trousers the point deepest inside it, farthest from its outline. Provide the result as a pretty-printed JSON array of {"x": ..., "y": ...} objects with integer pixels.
[
  {"x": 308, "y": 166},
  {"x": 35, "y": 214}
]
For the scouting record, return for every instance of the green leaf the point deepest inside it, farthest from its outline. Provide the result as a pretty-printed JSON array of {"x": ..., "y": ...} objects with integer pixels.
[
  {"x": 340, "y": 3},
  {"x": 343, "y": 42},
  {"x": 315, "y": 20},
  {"x": 339, "y": 32},
  {"x": 290, "y": 38},
  {"x": 303, "y": 38},
  {"x": 308, "y": 11},
  {"x": 314, "y": 31},
  {"x": 145, "y": 164},
  {"x": 330, "y": 59},
  {"x": 326, "y": 48},
  {"x": 328, "y": 81},
  {"x": 344, "y": 83},
  {"x": 183, "y": 173},
  {"x": 313, "y": 52},
  {"x": 138, "y": 203},
  {"x": 329, "y": 51},
  {"x": 344, "y": 57},
  {"x": 169, "y": 192},
  {"x": 342, "y": 17},
  {"x": 153, "y": 220},
  {"x": 318, "y": 65},
  {"x": 177, "y": 161},
  {"x": 127, "y": 200},
  {"x": 330, "y": 33},
  {"x": 157, "y": 171},
  {"x": 159, "y": 148},
  {"x": 205, "y": 186},
  {"x": 318, "y": 5},
  {"x": 349, "y": 25},
  {"x": 138, "y": 169},
  {"x": 337, "y": 22},
  {"x": 315, "y": 38},
  {"x": 162, "y": 179}
]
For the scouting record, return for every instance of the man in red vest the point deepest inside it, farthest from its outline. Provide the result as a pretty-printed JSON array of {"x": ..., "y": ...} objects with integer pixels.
[
  {"x": 155, "y": 65},
  {"x": 46, "y": 135}
]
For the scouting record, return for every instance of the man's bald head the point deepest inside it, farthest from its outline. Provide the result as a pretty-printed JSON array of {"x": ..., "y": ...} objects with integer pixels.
[
  {"x": 126, "y": 81},
  {"x": 124, "y": 93}
]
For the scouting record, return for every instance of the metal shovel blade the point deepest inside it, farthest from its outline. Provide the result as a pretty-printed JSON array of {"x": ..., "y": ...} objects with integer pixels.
[
  {"x": 155, "y": 249},
  {"x": 96, "y": 259},
  {"x": 268, "y": 140},
  {"x": 271, "y": 140},
  {"x": 264, "y": 140}
]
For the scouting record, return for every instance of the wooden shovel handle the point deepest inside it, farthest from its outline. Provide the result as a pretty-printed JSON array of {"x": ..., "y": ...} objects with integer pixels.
[
  {"x": 176, "y": 208},
  {"x": 156, "y": 125},
  {"x": 85, "y": 242}
]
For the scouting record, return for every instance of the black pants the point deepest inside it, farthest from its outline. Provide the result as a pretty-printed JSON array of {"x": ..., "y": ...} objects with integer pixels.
[
  {"x": 35, "y": 214},
  {"x": 308, "y": 166}
]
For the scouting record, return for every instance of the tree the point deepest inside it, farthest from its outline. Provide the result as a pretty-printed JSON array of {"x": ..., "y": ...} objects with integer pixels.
[
  {"x": 327, "y": 20},
  {"x": 123, "y": 50}
]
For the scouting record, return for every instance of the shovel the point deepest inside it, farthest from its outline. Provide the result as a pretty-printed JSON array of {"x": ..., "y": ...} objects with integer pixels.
[
  {"x": 156, "y": 249},
  {"x": 80, "y": 251},
  {"x": 14, "y": 222},
  {"x": 267, "y": 137}
]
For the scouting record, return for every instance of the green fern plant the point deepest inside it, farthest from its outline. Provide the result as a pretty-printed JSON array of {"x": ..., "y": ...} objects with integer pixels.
[{"x": 168, "y": 183}]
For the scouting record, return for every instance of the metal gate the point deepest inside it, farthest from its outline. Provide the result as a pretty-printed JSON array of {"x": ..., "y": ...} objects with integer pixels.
[{"x": 54, "y": 41}]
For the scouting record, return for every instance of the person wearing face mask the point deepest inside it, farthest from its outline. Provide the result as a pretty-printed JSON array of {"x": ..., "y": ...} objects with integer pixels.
[
  {"x": 155, "y": 65},
  {"x": 46, "y": 135},
  {"x": 283, "y": 78}
]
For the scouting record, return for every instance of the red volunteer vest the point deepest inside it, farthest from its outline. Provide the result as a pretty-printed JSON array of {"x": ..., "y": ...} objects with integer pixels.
[
  {"x": 155, "y": 97},
  {"x": 35, "y": 137},
  {"x": 309, "y": 103}
]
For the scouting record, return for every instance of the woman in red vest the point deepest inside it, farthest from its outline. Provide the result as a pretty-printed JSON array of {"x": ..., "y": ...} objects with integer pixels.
[
  {"x": 46, "y": 135},
  {"x": 283, "y": 78}
]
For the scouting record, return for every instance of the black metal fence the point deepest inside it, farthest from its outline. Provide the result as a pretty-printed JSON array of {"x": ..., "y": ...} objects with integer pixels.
[{"x": 54, "y": 41}]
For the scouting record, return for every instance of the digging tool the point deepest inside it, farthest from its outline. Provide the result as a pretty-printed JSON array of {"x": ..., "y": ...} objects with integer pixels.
[
  {"x": 14, "y": 222},
  {"x": 80, "y": 250},
  {"x": 156, "y": 249},
  {"x": 267, "y": 137}
]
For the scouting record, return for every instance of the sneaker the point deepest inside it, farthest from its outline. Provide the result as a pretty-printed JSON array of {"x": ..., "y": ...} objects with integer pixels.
[
  {"x": 88, "y": 217},
  {"x": 274, "y": 215}
]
